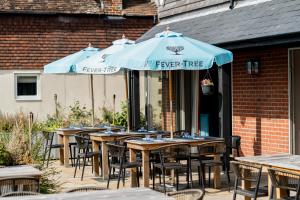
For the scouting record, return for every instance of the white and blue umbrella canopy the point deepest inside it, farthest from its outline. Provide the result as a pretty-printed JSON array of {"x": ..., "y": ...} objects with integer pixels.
[
  {"x": 96, "y": 65},
  {"x": 67, "y": 64},
  {"x": 170, "y": 51}
]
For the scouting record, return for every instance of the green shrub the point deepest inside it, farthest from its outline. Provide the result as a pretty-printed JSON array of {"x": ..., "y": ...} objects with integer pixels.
[
  {"x": 5, "y": 156},
  {"x": 80, "y": 115}
]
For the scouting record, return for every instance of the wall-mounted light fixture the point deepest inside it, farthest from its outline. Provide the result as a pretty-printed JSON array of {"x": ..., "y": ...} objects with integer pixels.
[{"x": 253, "y": 66}]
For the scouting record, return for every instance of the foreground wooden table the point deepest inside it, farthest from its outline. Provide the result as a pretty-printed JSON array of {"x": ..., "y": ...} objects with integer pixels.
[
  {"x": 104, "y": 138},
  {"x": 64, "y": 138},
  {"x": 128, "y": 194},
  {"x": 280, "y": 161},
  {"x": 146, "y": 146},
  {"x": 19, "y": 171}
]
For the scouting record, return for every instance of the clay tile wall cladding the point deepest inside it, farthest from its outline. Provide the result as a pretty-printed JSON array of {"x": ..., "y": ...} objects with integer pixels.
[
  {"x": 260, "y": 103},
  {"x": 31, "y": 41}
]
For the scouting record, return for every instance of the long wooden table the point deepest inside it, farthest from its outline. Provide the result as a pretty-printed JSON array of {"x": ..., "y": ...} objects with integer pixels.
[
  {"x": 128, "y": 194},
  {"x": 146, "y": 146},
  {"x": 19, "y": 171},
  {"x": 103, "y": 138},
  {"x": 64, "y": 135},
  {"x": 280, "y": 161}
]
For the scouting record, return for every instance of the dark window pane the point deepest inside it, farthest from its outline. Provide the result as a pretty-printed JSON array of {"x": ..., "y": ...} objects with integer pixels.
[{"x": 26, "y": 86}]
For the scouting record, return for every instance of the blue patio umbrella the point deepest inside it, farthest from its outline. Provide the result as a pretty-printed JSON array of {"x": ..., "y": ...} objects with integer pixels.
[
  {"x": 95, "y": 64},
  {"x": 170, "y": 51},
  {"x": 67, "y": 64}
]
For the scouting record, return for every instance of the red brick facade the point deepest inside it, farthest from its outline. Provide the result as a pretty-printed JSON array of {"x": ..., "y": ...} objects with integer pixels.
[
  {"x": 31, "y": 41},
  {"x": 260, "y": 103}
]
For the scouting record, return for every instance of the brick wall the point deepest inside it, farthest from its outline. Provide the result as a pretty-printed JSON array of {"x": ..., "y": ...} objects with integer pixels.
[
  {"x": 113, "y": 7},
  {"x": 31, "y": 41},
  {"x": 260, "y": 103}
]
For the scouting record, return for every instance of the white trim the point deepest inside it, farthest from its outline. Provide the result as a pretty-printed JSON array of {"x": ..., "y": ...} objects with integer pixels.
[{"x": 38, "y": 87}]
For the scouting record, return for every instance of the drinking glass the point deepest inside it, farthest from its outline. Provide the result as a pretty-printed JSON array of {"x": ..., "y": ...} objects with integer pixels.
[{"x": 159, "y": 137}]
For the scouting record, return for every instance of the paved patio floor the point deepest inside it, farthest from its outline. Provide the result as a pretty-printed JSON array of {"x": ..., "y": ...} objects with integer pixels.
[{"x": 67, "y": 181}]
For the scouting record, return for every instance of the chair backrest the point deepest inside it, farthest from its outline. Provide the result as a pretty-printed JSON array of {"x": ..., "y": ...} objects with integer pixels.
[
  {"x": 85, "y": 189},
  {"x": 172, "y": 152},
  {"x": 19, "y": 184},
  {"x": 285, "y": 180},
  {"x": 233, "y": 142},
  {"x": 116, "y": 151},
  {"x": 180, "y": 133},
  {"x": 189, "y": 194},
  {"x": 48, "y": 135},
  {"x": 246, "y": 172},
  {"x": 211, "y": 148},
  {"x": 82, "y": 142},
  {"x": 19, "y": 194}
]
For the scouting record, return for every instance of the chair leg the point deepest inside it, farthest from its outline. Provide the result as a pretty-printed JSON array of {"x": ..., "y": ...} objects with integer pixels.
[
  {"x": 153, "y": 177},
  {"x": 76, "y": 165},
  {"x": 209, "y": 172},
  {"x": 71, "y": 156},
  {"x": 84, "y": 163},
  {"x": 177, "y": 179},
  {"x": 164, "y": 180},
  {"x": 191, "y": 174},
  {"x": 49, "y": 154},
  {"x": 109, "y": 175},
  {"x": 138, "y": 177},
  {"x": 228, "y": 179},
  {"x": 119, "y": 177},
  {"x": 123, "y": 176},
  {"x": 202, "y": 175}
]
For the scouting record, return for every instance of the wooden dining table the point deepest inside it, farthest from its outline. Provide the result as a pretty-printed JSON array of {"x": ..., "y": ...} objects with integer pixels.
[
  {"x": 286, "y": 162},
  {"x": 64, "y": 135},
  {"x": 128, "y": 194},
  {"x": 104, "y": 138},
  {"x": 146, "y": 146},
  {"x": 19, "y": 171}
]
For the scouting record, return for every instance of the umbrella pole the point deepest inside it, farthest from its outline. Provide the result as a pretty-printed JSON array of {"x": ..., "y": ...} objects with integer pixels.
[
  {"x": 93, "y": 103},
  {"x": 171, "y": 103},
  {"x": 127, "y": 99}
]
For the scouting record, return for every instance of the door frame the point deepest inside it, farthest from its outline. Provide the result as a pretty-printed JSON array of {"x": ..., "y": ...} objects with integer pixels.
[{"x": 291, "y": 102}]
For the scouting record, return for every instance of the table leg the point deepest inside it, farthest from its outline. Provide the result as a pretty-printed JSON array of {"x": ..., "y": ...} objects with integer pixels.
[
  {"x": 217, "y": 173},
  {"x": 146, "y": 170},
  {"x": 246, "y": 184},
  {"x": 66, "y": 151},
  {"x": 133, "y": 174},
  {"x": 282, "y": 193},
  {"x": 61, "y": 150},
  {"x": 95, "y": 157},
  {"x": 105, "y": 169}
]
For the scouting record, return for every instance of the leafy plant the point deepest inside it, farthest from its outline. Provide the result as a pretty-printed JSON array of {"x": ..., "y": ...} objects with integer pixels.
[
  {"x": 49, "y": 182},
  {"x": 6, "y": 122},
  {"x": 5, "y": 156},
  {"x": 80, "y": 115}
]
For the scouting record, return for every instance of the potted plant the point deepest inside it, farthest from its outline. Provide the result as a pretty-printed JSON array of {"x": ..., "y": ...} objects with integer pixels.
[{"x": 207, "y": 86}]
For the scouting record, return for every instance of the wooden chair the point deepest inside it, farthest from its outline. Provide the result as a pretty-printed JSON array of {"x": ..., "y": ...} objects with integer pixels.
[
  {"x": 20, "y": 194},
  {"x": 83, "y": 147},
  {"x": 85, "y": 189},
  {"x": 20, "y": 184},
  {"x": 169, "y": 159},
  {"x": 284, "y": 180},
  {"x": 251, "y": 174},
  {"x": 206, "y": 151},
  {"x": 190, "y": 194},
  {"x": 118, "y": 160},
  {"x": 49, "y": 136},
  {"x": 233, "y": 143}
]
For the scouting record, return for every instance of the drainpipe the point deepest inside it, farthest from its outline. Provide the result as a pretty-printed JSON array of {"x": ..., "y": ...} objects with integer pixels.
[{"x": 231, "y": 4}]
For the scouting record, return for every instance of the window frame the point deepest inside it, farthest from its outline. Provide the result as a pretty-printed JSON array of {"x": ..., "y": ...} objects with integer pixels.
[{"x": 36, "y": 97}]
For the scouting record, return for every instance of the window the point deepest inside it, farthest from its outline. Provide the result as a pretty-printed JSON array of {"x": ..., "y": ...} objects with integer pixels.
[{"x": 27, "y": 86}]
